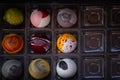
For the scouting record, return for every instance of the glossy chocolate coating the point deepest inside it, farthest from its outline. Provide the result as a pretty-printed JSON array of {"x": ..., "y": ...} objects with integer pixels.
[
  {"x": 66, "y": 43},
  {"x": 66, "y": 68},
  {"x": 66, "y": 17},
  {"x": 12, "y": 43},
  {"x": 39, "y": 43},
  {"x": 39, "y": 68},
  {"x": 40, "y": 18},
  {"x": 12, "y": 69}
]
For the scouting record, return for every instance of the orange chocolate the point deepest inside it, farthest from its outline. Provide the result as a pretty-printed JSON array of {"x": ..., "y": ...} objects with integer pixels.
[{"x": 12, "y": 43}]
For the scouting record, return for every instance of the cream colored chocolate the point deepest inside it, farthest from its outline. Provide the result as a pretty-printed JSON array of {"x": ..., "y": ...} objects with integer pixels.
[
  {"x": 66, "y": 68},
  {"x": 39, "y": 68}
]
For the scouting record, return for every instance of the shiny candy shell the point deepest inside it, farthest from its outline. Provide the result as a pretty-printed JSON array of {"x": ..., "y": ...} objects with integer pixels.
[
  {"x": 13, "y": 16},
  {"x": 39, "y": 68},
  {"x": 40, "y": 18},
  {"x": 66, "y": 17},
  {"x": 66, "y": 43},
  {"x": 12, "y": 69},
  {"x": 12, "y": 43},
  {"x": 39, "y": 43},
  {"x": 66, "y": 68}
]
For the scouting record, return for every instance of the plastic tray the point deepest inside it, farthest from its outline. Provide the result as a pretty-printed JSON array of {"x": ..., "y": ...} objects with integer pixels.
[{"x": 98, "y": 44}]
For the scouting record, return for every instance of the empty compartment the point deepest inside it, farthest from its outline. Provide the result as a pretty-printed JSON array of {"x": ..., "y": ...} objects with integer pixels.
[
  {"x": 93, "y": 16},
  {"x": 93, "y": 41}
]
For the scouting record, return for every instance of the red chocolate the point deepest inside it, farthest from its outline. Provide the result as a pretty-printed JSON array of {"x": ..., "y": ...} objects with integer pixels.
[
  {"x": 39, "y": 43},
  {"x": 45, "y": 14}
]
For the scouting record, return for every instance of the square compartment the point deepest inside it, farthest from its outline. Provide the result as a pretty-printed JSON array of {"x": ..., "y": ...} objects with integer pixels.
[
  {"x": 59, "y": 7},
  {"x": 4, "y": 8},
  {"x": 114, "y": 16},
  {"x": 58, "y": 33},
  {"x": 74, "y": 58},
  {"x": 47, "y": 58},
  {"x": 114, "y": 68},
  {"x": 19, "y": 32},
  {"x": 93, "y": 41},
  {"x": 93, "y": 16},
  {"x": 46, "y": 7},
  {"x": 114, "y": 41},
  {"x": 44, "y": 32},
  {"x": 93, "y": 67}
]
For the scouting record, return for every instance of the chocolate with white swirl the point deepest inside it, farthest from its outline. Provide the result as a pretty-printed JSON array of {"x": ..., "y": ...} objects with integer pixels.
[
  {"x": 66, "y": 17},
  {"x": 39, "y": 43},
  {"x": 12, "y": 69}
]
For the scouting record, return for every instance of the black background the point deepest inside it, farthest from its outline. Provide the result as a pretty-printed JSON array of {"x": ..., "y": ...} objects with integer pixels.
[{"x": 64, "y": 1}]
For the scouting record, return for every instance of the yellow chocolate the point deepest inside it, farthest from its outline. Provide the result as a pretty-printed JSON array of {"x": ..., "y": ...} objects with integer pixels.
[
  {"x": 39, "y": 68},
  {"x": 63, "y": 38}
]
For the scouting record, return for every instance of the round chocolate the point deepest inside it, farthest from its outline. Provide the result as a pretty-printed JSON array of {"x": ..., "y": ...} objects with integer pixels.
[
  {"x": 39, "y": 68},
  {"x": 12, "y": 69},
  {"x": 39, "y": 43},
  {"x": 13, "y": 16},
  {"x": 40, "y": 18},
  {"x": 66, "y": 43},
  {"x": 66, "y": 17},
  {"x": 66, "y": 68},
  {"x": 12, "y": 43}
]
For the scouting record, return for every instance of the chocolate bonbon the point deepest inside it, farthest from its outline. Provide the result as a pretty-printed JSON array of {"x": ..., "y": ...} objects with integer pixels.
[
  {"x": 66, "y": 43},
  {"x": 12, "y": 69},
  {"x": 12, "y": 43},
  {"x": 40, "y": 18},
  {"x": 39, "y": 68},
  {"x": 66, "y": 68},
  {"x": 39, "y": 43},
  {"x": 66, "y": 17}
]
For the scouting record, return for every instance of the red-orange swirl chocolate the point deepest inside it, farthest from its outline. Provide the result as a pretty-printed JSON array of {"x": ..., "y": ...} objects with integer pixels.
[{"x": 12, "y": 43}]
